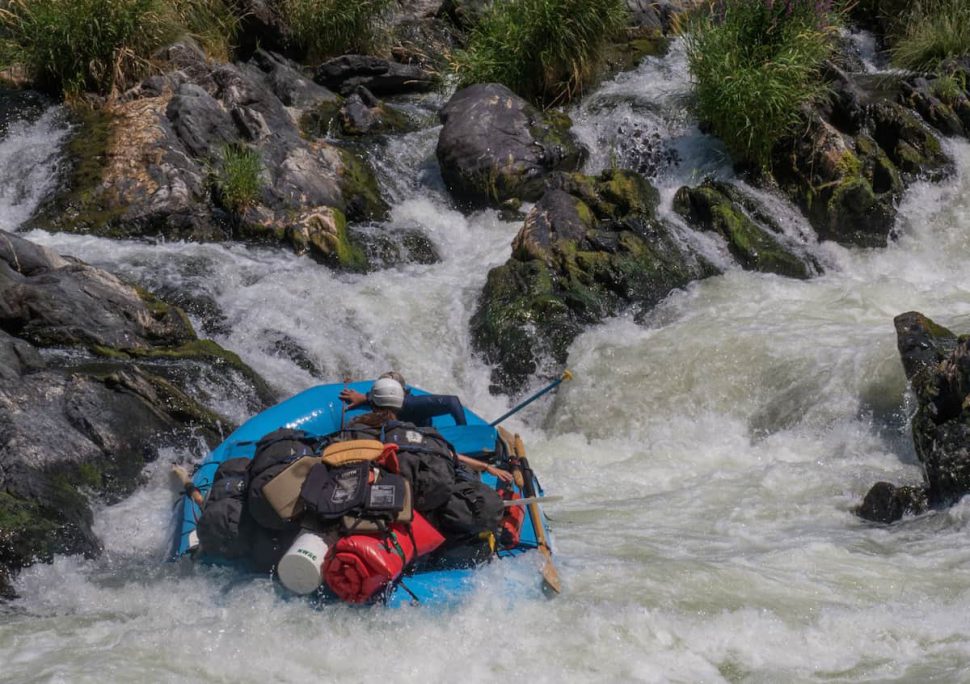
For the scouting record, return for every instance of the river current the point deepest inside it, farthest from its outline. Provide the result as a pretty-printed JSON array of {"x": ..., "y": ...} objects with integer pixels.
[{"x": 708, "y": 457}]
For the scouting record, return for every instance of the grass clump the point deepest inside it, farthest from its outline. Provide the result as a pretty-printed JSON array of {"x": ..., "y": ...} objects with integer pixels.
[
  {"x": 936, "y": 31},
  {"x": 213, "y": 23},
  {"x": 547, "y": 51},
  {"x": 239, "y": 182},
  {"x": 325, "y": 28},
  {"x": 755, "y": 64},
  {"x": 84, "y": 45}
]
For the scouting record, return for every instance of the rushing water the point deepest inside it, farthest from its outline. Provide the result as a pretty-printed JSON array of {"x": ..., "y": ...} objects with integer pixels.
[{"x": 709, "y": 460}]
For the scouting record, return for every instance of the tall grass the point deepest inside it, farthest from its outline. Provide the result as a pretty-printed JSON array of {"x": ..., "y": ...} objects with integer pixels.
[
  {"x": 214, "y": 23},
  {"x": 325, "y": 28},
  {"x": 936, "y": 30},
  {"x": 78, "y": 45},
  {"x": 238, "y": 180},
  {"x": 545, "y": 50},
  {"x": 755, "y": 64}
]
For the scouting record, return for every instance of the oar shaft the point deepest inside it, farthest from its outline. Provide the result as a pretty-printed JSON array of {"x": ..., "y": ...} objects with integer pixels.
[{"x": 548, "y": 388}]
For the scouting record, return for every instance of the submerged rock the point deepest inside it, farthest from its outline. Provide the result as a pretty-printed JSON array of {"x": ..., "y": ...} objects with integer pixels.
[
  {"x": 495, "y": 146},
  {"x": 590, "y": 248},
  {"x": 937, "y": 365},
  {"x": 96, "y": 376}
]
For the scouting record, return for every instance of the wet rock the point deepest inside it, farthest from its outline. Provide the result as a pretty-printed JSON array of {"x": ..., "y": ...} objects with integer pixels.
[
  {"x": 323, "y": 235},
  {"x": 290, "y": 84},
  {"x": 920, "y": 94},
  {"x": 711, "y": 207},
  {"x": 380, "y": 76},
  {"x": 886, "y": 503},
  {"x": 590, "y": 248},
  {"x": 910, "y": 145},
  {"x": 85, "y": 420},
  {"x": 386, "y": 249},
  {"x": 495, "y": 146},
  {"x": 937, "y": 365},
  {"x": 847, "y": 187}
]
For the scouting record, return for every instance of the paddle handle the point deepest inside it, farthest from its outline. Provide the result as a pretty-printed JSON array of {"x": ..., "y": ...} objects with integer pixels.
[{"x": 187, "y": 485}]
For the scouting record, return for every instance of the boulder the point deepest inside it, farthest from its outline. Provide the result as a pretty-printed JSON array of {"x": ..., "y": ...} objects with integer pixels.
[
  {"x": 153, "y": 163},
  {"x": 121, "y": 375},
  {"x": 494, "y": 146},
  {"x": 590, "y": 248},
  {"x": 937, "y": 365},
  {"x": 911, "y": 146},
  {"x": 380, "y": 76},
  {"x": 718, "y": 208}
]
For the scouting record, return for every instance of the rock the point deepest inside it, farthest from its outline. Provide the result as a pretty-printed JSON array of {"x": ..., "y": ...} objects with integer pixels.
[
  {"x": 201, "y": 123},
  {"x": 918, "y": 94},
  {"x": 85, "y": 420},
  {"x": 324, "y": 235},
  {"x": 937, "y": 365},
  {"x": 590, "y": 248},
  {"x": 151, "y": 163},
  {"x": 55, "y": 302},
  {"x": 464, "y": 13},
  {"x": 380, "y": 76},
  {"x": 363, "y": 114},
  {"x": 847, "y": 187},
  {"x": 495, "y": 146},
  {"x": 711, "y": 207},
  {"x": 263, "y": 27},
  {"x": 886, "y": 503},
  {"x": 908, "y": 143}
]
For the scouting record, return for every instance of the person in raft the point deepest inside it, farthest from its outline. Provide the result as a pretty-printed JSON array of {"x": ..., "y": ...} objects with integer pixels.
[
  {"x": 462, "y": 509},
  {"x": 391, "y": 403},
  {"x": 417, "y": 409}
]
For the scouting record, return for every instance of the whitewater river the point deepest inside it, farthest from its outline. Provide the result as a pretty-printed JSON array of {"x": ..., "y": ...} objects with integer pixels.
[{"x": 708, "y": 458}]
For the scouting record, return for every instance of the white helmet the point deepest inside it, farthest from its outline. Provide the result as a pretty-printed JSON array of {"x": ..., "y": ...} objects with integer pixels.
[{"x": 387, "y": 393}]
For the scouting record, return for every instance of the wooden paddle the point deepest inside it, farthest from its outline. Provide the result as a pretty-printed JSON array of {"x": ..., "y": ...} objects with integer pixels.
[{"x": 550, "y": 576}]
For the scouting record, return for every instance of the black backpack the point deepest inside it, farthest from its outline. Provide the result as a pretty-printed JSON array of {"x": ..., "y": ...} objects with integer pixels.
[
  {"x": 274, "y": 453},
  {"x": 225, "y": 525}
]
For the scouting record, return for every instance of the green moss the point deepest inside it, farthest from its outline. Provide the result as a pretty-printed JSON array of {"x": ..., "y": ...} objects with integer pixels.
[
  {"x": 322, "y": 120},
  {"x": 89, "y": 475},
  {"x": 79, "y": 207},
  {"x": 360, "y": 189}
]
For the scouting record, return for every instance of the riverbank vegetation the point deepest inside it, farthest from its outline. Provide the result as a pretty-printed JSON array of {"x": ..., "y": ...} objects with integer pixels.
[
  {"x": 326, "y": 28},
  {"x": 238, "y": 180},
  {"x": 547, "y": 51},
  {"x": 936, "y": 31},
  {"x": 84, "y": 45},
  {"x": 755, "y": 64}
]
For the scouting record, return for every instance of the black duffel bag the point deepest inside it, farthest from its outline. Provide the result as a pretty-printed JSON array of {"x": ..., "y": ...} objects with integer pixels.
[
  {"x": 274, "y": 453},
  {"x": 225, "y": 526},
  {"x": 472, "y": 508}
]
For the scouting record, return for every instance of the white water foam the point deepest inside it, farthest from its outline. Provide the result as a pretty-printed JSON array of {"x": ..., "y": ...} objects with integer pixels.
[{"x": 29, "y": 156}]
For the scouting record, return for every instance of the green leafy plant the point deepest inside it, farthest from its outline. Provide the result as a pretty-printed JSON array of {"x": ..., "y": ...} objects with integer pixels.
[
  {"x": 936, "y": 30},
  {"x": 756, "y": 64},
  {"x": 547, "y": 51},
  {"x": 325, "y": 28},
  {"x": 238, "y": 180},
  {"x": 78, "y": 45},
  {"x": 214, "y": 23}
]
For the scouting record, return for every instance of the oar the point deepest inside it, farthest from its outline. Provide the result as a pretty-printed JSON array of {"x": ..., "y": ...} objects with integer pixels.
[
  {"x": 548, "y": 388},
  {"x": 550, "y": 576},
  {"x": 531, "y": 500}
]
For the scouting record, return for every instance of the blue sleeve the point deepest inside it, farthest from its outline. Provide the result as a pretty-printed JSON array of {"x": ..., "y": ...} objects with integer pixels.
[{"x": 421, "y": 409}]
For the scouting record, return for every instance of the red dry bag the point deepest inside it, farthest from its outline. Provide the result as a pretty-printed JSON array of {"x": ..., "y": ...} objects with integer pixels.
[{"x": 360, "y": 565}]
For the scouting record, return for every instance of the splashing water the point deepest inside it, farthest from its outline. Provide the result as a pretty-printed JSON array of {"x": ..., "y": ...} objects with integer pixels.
[{"x": 709, "y": 460}]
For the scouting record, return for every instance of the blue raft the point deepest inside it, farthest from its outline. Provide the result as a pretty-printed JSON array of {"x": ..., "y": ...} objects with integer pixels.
[{"x": 318, "y": 412}]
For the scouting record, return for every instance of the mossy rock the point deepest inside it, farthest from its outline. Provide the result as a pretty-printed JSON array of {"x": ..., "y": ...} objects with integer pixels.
[
  {"x": 710, "y": 209},
  {"x": 589, "y": 249},
  {"x": 910, "y": 144},
  {"x": 322, "y": 120},
  {"x": 360, "y": 189},
  {"x": 324, "y": 235}
]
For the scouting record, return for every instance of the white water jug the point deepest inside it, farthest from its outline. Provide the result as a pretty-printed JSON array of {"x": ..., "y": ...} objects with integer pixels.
[{"x": 300, "y": 568}]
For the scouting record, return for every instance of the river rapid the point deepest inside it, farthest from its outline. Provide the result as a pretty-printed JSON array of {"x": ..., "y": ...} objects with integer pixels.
[{"x": 708, "y": 457}]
